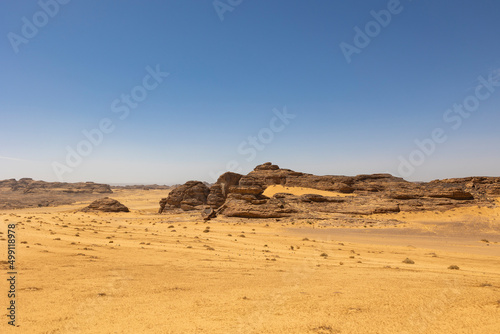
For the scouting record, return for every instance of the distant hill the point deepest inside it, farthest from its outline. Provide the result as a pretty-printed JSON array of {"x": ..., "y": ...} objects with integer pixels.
[{"x": 31, "y": 193}]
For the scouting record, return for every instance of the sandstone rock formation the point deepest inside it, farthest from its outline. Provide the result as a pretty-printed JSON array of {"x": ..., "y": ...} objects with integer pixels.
[
  {"x": 106, "y": 204},
  {"x": 187, "y": 197},
  {"x": 255, "y": 206},
  {"x": 30, "y": 193},
  {"x": 27, "y": 185},
  {"x": 236, "y": 195}
]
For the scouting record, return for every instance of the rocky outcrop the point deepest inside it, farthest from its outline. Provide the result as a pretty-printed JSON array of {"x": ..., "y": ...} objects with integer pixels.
[
  {"x": 26, "y": 193},
  {"x": 227, "y": 180},
  {"x": 27, "y": 185},
  {"x": 255, "y": 206},
  {"x": 216, "y": 197},
  {"x": 186, "y": 197},
  {"x": 313, "y": 204},
  {"x": 106, "y": 204},
  {"x": 236, "y": 195},
  {"x": 220, "y": 190},
  {"x": 477, "y": 185}
]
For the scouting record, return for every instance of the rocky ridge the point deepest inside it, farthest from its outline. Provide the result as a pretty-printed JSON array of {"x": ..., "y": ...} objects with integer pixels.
[
  {"x": 26, "y": 192},
  {"x": 235, "y": 195},
  {"x": 28, "y": 185}
]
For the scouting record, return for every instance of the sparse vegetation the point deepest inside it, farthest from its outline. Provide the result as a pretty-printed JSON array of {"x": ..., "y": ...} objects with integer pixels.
[
  {"x": 209, "y": 264},
  {"x": 408, "y": 261}
]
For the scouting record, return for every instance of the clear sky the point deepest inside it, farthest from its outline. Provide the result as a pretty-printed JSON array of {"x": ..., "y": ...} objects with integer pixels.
[{"x": 325, "y": 87}]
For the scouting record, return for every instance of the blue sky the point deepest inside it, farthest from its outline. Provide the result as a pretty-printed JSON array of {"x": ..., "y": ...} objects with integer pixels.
[{"x": 228, "y": 79}]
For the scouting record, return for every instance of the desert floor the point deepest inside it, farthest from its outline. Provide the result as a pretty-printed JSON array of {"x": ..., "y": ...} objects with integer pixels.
[{"x": 141, "y": 272}]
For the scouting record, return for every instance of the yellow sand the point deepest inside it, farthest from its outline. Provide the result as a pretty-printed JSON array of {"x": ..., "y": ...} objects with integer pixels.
[
  {"x": 274, "y": 189},
  {"x": 141, "y": 272}
]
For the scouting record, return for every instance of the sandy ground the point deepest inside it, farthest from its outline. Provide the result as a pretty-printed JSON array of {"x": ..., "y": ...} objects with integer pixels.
[
  {"x": 274, "y": 189},
  {"x": 141, "y": 272}
]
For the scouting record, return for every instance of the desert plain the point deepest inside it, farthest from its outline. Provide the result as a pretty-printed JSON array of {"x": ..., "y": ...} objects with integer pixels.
[{"x": 142, "y": 272}]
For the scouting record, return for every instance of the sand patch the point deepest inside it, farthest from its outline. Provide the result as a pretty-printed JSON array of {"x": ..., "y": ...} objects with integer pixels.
[{"x": 298, "y": 191}]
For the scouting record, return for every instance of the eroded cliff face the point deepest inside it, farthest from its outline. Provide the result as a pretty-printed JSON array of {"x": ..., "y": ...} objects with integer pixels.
[
  {"x": 236, "y": 195},
  {"x": 189, "y": 196}
]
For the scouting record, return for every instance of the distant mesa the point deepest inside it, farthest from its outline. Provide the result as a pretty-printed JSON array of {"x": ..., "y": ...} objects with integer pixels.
[
  {"x": 27, "y": 193},
  {"x": 106, "y": 204},
  {"x": 236, "y": 195},
  {"x": 28, "y": 185}
]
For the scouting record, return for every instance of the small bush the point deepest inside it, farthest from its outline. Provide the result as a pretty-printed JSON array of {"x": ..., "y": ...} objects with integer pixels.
[
  {"x": 408, "y": 261},
  {"x": 324, "y": 255},
  {"x": 454, "y": 267}
]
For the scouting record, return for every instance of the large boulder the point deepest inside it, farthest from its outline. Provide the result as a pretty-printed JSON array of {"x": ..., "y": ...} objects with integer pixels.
[
  {"x": 186, "y": 197},
  {"x": 106, "y": 204}
]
